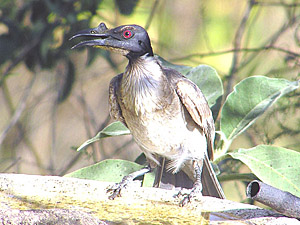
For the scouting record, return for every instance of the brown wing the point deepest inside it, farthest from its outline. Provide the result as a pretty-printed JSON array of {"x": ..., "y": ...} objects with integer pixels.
[
  {"x": 197, "y": 106},
  {"x": 195, "y": 103},
  {"x": 114, "y": 107}
]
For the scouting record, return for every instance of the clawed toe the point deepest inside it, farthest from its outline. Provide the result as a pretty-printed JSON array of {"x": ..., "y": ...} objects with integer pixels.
[
  {"x": 196, "y": 191},
  {"x": 182, "y": 192},
  {"x": 115, "y": 190},
  {"x": 185, "y": 200}
]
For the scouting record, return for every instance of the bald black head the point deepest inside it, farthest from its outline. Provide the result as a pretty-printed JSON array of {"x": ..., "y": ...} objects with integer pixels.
[{"x": 130, "y": 40}]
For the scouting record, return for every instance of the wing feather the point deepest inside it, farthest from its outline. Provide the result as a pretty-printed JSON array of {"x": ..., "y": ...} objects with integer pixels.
[
  {"x": 195, "y": 103},
  {"x": 114, "y": 106}
]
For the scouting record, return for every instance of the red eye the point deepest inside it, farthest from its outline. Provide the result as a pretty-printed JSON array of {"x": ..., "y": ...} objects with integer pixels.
[{"x": 127, "y": 34}]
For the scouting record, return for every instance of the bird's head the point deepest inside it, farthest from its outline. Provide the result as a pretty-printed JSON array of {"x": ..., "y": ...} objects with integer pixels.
[{"x": 130, "y": 40}]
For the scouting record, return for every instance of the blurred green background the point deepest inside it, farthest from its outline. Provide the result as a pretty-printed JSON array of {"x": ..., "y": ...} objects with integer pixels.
[{"x": 53, "y": 98}]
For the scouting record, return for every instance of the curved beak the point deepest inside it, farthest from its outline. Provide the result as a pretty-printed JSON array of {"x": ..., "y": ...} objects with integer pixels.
[
  {"x": 97, "y": 42},
  {"x": 102, "y": 37},
  {"x": 98, "y": 32}
]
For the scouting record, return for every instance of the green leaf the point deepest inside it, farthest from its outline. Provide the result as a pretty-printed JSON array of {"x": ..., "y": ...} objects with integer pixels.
[
  {"x": 180, "y": 68},
  {"x": 275, "y": 166},
  {"x": 114, "y": 129},
  {"x": 149, "y": 178},
  {"x": 209, "y": 82},
  {"x": 250, "y": 99},
  {"x": 110, "y": 170},
  {"x": 204, "y": 76}
]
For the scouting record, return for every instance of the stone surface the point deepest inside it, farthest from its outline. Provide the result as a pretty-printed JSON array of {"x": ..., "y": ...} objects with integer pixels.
[{"x": 137, "y": 205}]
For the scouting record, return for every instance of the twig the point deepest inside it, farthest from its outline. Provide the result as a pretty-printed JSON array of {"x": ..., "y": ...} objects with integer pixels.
[
  {"x": 17, "y": 160},
  {"x": 126, "y": 144},
  {"x": 211, "y": 54},
  {"x": 104, "y": 123},
  {"x": 204, "y": 26},
  {"x": 53, "y": 136},
  {"x": 19, "y": 58},
  {"x": 272, "y": 40},
  {"x": 19, "y": 109},
  {"x": 19, "y": 125},
  {"x": 237, "y": 45},
  {"x": 281, "y": 4},
  {"x": 88, "y": 120},
  {"x": 154, "y": 7},
  {"x": 70, "y": 164}
]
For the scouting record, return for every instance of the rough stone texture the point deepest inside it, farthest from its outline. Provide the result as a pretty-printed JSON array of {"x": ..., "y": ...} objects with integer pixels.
[
  {"x": 63, "y": 200},
  {"x": 47, "y": 216}
]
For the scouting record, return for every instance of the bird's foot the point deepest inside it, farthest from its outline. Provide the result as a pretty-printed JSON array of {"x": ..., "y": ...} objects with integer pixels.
[
  {"x": 182, "y": 192},
  {"x": 195, "y": 191},
  {"x": 115, "y": 190}
]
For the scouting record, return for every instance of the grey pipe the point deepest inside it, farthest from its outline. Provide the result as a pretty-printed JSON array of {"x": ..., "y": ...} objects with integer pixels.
[{"x": 281, "y": 201}]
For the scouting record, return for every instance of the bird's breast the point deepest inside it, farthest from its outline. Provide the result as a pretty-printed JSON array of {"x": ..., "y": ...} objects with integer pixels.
[
  {"x": 152, "y": 125},
  {"x": 145, "y": 88},
  {"x": 148, "y": 97},
  {"x": 167, "y": 133},
  {"x": 155, "y": 115},
  {"x": 147, "y": 104}
]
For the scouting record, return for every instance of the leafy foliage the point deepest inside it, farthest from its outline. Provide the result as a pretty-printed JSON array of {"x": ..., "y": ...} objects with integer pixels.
[
  {"x": 114, "y": 129},
  {"x": 42, "y": 40},
  {"x": 276, "y": 166},
  {"x": 249, "y": 100},
  {"x": 110, "y": 170}
]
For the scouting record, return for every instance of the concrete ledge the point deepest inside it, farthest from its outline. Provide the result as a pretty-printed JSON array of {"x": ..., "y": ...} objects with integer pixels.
[{"x": 58, "y": 197}]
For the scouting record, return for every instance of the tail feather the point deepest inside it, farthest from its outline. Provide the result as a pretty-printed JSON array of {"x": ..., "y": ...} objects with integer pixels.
[
  {"x": 182, "y": 179},
  {"x": 166, "y": 179},
  {"x": 210, "y": 183}
]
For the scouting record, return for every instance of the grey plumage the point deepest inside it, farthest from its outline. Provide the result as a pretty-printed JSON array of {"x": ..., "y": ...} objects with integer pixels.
[
  {"x": 179, "y": 100},
  {"x": 166, "y": 113}
]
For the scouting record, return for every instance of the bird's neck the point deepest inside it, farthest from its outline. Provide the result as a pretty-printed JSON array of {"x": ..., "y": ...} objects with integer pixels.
[
  {"x": 143, "y": 84},
  {"x": 143, "y": 68}
]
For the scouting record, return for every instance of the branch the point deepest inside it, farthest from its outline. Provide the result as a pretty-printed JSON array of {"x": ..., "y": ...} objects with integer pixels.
[
  {"x": 272, "y": 40},
  {"x": 24, "y": 137},
  {"x": 19, "y": 109},
  {"x": 154, "y": 7},
  {"x": 70, "y": 164},
  {"x": 211, "y": 54},
  {"x": 237, "y": 45},
  {"x": 280, "y": 4},
  {"x": 89, "y": 122},
  {"x": 20, "y": 58}
]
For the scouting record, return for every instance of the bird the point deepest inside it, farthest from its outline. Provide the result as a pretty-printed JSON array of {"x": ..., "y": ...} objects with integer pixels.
[{"x": 166, "y": 113}]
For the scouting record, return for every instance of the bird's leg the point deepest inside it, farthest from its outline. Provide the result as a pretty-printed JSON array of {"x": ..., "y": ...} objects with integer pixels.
[
  {"x": 197, "y": 187},
  {"x": 159, "y": 173},
  {"x": 116, "y": 189}
]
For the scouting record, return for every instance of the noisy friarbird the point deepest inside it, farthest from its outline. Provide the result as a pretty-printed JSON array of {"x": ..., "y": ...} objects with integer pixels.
[{"x": 166, "y": 113}]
